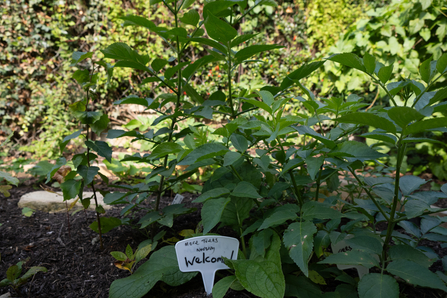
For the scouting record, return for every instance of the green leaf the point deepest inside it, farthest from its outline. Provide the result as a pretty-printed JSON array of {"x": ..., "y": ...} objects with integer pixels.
[
  {"x": 121, "y": 51},
  {"x": 314, "y": 165},
  {"x": 426, "y": 70},
  {"x": 348, "y": 59},
  {"x": 249, "y": 51},
  {"x": 403, "y": 116},
  {"x": 245, "y": 190},
  {"x": 30, "y": 273},
  {"x": 230, "y": 158},
  {"x": 211, "y": 43},
  {"x": 241, "y": 38},
  {"x": 132, "y": 20},
  {"x": 365, "y": 243},
  {"x": 88, "y": 173},
  {"x": 264, "y": 279},
  {"x": 202, "y": 152},
  {"x": 9, "y": 178},
  {"x": 302, "y": 287},
  {"x": 219, "y": 30},
  {"x": 259, "y": 104},
  {"x": 306, "y": 130},
  {"x": 211, "y": 213},
  {"x": 439, "y": 95},
  {"x": 12, "y": 273},
  {"x": 79, "y": 57},
  {"x": 425, "y": 125},
  {"x": 165, "y": 149},
  {"x": 102, "y": 148},
  {"x": 298, "y": 239},
  {"x": 239, "y": 142},
  {"x": 353, "y": 150},
  {"x": 222, "y": 286},
  {"x": 415, "y": 274},
  {"x": 142, "y": 252},
  {"x": 162, "y": 265},
  {"x": 134, "y": 99},
  {"x": 380, "y": 136},
  {"x": 369, "y": 62},
  {"x": 369, "y": 119},
  {"x": 81, "y": 76},
  {"x": 88, "y": 117},
  {"x": 278, "y": 218},
  {"x": 107, "y": 223},
  {"x": 313, "y": 209},
  {"x": 441, "y": 65},
  {"x": 119, "y": 256},
  {"x": 302, "y": 72},
  {"x": 191, "y": 17},
  {"x": 410, "y": 183},
  {"x": 211, "y": 194},
  {"x": 406, "y": 252},
  {"x": 236, "y": 212},
  {"x": 376, "y": 285},
  {"x": 353, "y": 257},
  {"x": 71, "y": 188},
  {"x": 384, "y": 73}
]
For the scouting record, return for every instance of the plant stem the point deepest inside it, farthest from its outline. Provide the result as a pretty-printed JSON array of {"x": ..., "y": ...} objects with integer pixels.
[{"x": 229, "y": 74}]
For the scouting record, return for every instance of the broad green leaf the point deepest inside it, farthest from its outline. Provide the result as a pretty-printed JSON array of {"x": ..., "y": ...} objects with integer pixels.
[
  {"x": 365, "y": 243},
  {"x": 376, "y": 285},
  {"x": 348, "y": 59},
  {"x": 259, "y": 104},
  {"x": 205, "y": 151},
  {"x": 162, "y": 265},
  {"x": 380, "y": 136},
  {"x": 264, "y": 279},
  {"x": 239, "y": 142},
  {"x": 428, "y": 223},
  {"x": 165, "y": 149},
  {"x": 415, "y": 274},
  {"x": 81, "y": 76},
  {"x": 314, "y": 165},
  {"x": 72, "y": 136},
  {"x": 241, "y": 38},
  {"x": 245, "y": 190},
  {"x": 142, "y": 252},
  {"x": 300, "y": 73},
  {"x": 121, "y": 51},
  {"x": 219, "y": 30},
  {"x": 132, "y": 20},
  {"x": 313, "y": 209},
  {"x": 193, "y": 67},
  {"x": 79, "y": 57},
  {"x": 426, "y": 70},
  {"x": 71, "y": 188},
  {"x": 191, "y": 17},
  {"x": 12, "y": 273},
  {"x": 211, "y": 194},
  {"x": 384, "y": 73},
  {"x": 403, "y": 116},
  {"x": 30, "y": 273},
  {"x": 211, "y": 212},
  {"x": 353, "y": 257},
  {"x": 100, "y": 125},
  {"x": 410, "y": 183},
  {"x": 102, "y": 148},
  {"x": 221, "y": 287},
  {"x": 236, "y": 212},
  {"x": 119, "y": 255},
  {"x": 425, "y": 125},
  {"x": 406, "y": 252},
  {"x": 439, "y": 95},
  {"x": 88, "y": 117},
  {"x": 249, "y": 51},
  {"x": 298, "y": 239},
  {"x": 369, "y": 62},
  {"x": 107, "y": 224},
  {"x": 441, "y": 65},
  {"x": 369, "y": 119},
  {"x": 133, "y": 99},
  {"x": 211, "y": 43},
  {"x": 278, "y": 218},
  {"x": 230, "y": 158},
  {"x": 302, "y": 287},
  {"x": 306, "y": 130},
  {"x": 353, "y": 150},
  {"x": 158, "y": 64},
  {"x": 88, "y": 173},
  {"x": 9, "y": 178}
]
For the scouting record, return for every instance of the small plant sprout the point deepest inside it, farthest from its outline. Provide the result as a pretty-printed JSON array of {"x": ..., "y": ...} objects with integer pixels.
[
  {"x": 128, "y": 260},
  {"x": 12, "y": 275}
]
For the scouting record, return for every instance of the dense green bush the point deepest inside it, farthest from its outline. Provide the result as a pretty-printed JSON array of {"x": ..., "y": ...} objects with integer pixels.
[{"x": 38, "y": 37}]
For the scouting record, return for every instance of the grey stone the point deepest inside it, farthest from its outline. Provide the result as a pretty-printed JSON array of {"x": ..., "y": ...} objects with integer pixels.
[{"x": 54, "y": 202}]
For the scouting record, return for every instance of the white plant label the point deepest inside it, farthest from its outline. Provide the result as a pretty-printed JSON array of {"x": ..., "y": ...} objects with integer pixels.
[
  {"x": 177, "y": 199},
  {"x": 205, "y": 254}
]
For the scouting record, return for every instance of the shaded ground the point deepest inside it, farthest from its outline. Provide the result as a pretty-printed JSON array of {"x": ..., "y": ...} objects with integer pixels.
[{"x": 77, "y": 268}]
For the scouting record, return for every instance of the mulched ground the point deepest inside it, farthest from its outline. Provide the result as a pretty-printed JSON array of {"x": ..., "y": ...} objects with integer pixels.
[{"x": 77, "y": 268}]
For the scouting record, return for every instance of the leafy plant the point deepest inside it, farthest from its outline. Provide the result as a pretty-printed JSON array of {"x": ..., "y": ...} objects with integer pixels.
[
  {"x": 128, "y": 260},
  {"x": 13, "y": 278}
]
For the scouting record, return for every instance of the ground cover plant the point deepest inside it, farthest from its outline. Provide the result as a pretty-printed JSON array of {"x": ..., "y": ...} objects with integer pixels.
[{"x": 276, "y": 177}]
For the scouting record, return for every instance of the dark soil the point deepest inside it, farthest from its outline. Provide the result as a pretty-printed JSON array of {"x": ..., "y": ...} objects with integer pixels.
[{"x": 77, "y": 268}]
